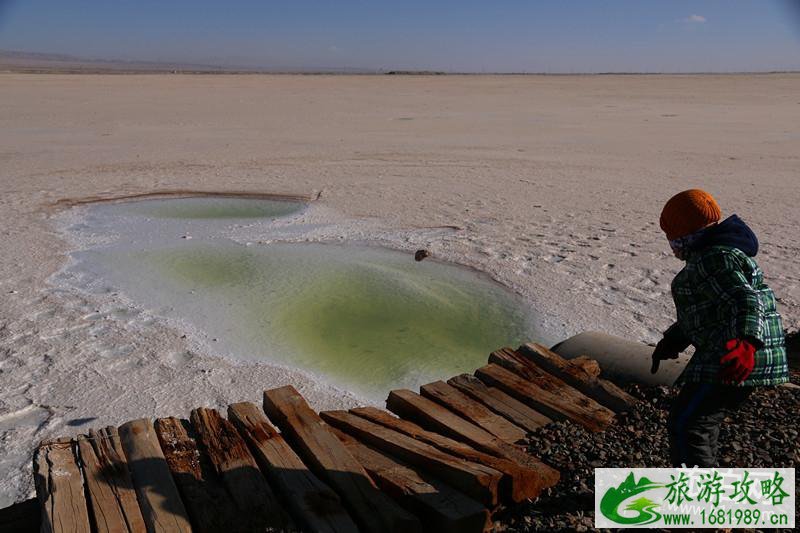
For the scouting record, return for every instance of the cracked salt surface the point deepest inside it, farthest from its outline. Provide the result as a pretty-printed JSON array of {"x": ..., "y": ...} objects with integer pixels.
[{"x": 361, "y": 318}]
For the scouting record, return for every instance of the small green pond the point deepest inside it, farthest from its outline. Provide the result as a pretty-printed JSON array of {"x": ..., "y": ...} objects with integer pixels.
[
  {"x": 210, "y": 208},
  {"x": 365, "y": 319}
]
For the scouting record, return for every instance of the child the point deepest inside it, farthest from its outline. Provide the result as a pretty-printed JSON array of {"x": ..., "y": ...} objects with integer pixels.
[{"x": 727, "y": 312}]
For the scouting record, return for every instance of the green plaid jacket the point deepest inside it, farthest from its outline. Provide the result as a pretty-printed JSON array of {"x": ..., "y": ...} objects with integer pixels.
[{"x": 720, "y": 295}]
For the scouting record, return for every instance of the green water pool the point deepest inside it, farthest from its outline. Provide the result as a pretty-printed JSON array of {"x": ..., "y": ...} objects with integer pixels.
[
  {"x": 366, "y": 319},
  {"x": 210, "y": 208}
]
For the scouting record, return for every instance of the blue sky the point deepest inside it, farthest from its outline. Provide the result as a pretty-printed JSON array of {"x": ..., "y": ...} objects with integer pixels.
[{"x": 463, "y": 35}]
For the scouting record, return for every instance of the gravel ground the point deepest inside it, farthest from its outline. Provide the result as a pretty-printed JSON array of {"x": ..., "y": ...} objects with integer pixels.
[{"x": 764, "y": 433}]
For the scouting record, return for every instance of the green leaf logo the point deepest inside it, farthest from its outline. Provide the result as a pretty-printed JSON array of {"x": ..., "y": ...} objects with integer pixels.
[{"x": 645, "y": 509}]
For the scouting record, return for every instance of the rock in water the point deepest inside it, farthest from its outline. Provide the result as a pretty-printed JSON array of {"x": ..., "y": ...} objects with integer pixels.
[{"x": 421, "y": 254}]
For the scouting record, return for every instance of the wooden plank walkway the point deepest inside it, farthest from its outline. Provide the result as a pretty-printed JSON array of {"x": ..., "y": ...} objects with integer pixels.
[{"x": 443, "y": 461}]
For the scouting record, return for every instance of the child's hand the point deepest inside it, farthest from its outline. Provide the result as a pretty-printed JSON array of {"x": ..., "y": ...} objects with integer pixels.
[
  {"x": 664, "y": 350},
  {"x": 738, "y": 363}
]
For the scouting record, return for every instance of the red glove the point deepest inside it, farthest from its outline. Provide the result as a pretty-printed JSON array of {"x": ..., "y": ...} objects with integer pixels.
[{"x": 738, "y": 362}]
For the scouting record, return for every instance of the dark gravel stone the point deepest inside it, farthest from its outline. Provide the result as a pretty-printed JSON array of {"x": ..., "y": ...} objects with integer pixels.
[{"x": 764, "y": 433}]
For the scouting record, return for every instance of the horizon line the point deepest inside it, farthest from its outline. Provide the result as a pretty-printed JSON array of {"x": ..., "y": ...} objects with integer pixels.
[{"x": 61, "y": 63}]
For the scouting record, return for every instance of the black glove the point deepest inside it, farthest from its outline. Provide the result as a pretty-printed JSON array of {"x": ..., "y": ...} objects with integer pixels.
[
  {"x": 664, "y": 350},
  {"x": 673, "y": 343}
]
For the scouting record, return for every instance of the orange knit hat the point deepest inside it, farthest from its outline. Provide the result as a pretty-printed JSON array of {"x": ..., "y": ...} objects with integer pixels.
[{"x": 687, "y": 212}]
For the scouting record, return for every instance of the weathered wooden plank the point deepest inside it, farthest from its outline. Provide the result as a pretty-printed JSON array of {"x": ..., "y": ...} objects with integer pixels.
[
  {"x": 430, "y": 415},
  {"x": 108, "y": 448},
  {"x": 111, "y": 496},
  {"x": 314, "y": 505},
  {"x": 478, "y": 481},
  {"x": 325, "y": 454},
  {"x": 159, "y": 500},
  {"x": 433, "y": 416},
  {"x": 59, "y": 487},
  {"x": 551, "y": 395},
  {"x": 590, "y": 366},
  {"x": 474, "y": 411},
  {"x": 439, "y": 506},
  {"x": 500, "y": 402},
  {"x": 238, "y": 470},
  {"x": 210, "y": 508},
  {"x": 525, "y": 391},
  {"x": 602, "y": 391},
  {"x": 518, "y": 482},
  {"x": 106, "y": 513}
]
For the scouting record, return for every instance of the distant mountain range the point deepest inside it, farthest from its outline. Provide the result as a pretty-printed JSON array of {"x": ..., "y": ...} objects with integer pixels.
[{"x": 33, "y": 62}]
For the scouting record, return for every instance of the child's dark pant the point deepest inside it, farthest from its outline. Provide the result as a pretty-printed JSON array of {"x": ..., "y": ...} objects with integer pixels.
[{"x": 695, "y": 419}]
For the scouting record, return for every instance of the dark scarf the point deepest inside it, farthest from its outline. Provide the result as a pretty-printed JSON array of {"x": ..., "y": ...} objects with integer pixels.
[{"x": 731, "y": 232}]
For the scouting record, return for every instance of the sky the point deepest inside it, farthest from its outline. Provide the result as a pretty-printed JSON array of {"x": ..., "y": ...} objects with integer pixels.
[{"x": 559, "y": 36}]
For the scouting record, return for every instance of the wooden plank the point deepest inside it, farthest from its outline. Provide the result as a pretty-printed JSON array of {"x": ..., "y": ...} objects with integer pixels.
[
  {"x": 109, "y": 487},
  {"x": 602, "y": 391},
  {"x": 314, "y": 505},
  {"x": 500, "y": 402},
  {"x": 432, "y": 416},
  {"x": 59, "y": 487},
  {"x": 478, "y": 481},
  {"x": 590, "y": 366},
  {"x": 474, "y": 411},
  {"x": 518, "y": 482},
  {"x": 106, "y": 513},
  {"x": 108, "y": 448},
  {"x": 210, "y": 508},
  {"x": 552, "y": 396},
  {"x": 238, "y": 470},
  {"x": 325, "y": 454},
  {"x": 159, "y": 500},
  {"x": 439, "y": 506}
]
